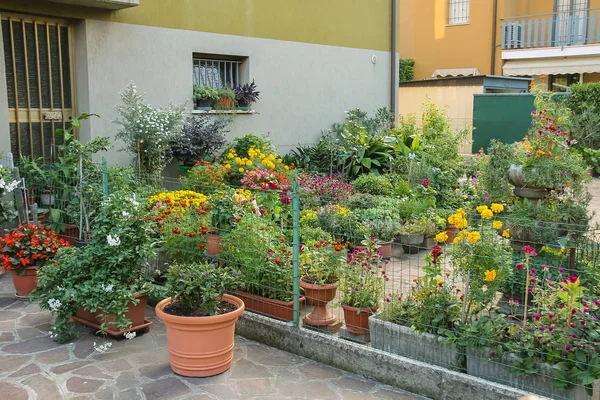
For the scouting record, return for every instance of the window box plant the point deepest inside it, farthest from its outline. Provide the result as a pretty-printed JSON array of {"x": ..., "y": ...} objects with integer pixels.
[
  {"x": 204, "y": 97},
  {"x": 246, "y": 95},
  {"x": 225, "y": 99},
  {"x": 200, "y": 318},
  {"x": 26, "y": 249}
]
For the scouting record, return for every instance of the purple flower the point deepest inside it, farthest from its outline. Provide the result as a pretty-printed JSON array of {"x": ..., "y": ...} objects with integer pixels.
[
  {"x": 182, "y": 275},
  {"x": 561, "y": 270},
  {"x": 568, "y": 347},
  {"x": 574, "y": 336},
  {"x": 551, "y": 315},
  {"x": 536, "y": 317},
  {"x": 545, "y": 267},
  {"x": 533, "y": 270},
  {"x": 551, "y": 328},
  {"x": 542, "y": 328}
]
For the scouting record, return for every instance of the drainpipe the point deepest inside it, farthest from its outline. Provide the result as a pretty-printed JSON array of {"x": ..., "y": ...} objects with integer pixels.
[
  {"x": 393, "y": 62},
  {"x": 493, "y": 58}
]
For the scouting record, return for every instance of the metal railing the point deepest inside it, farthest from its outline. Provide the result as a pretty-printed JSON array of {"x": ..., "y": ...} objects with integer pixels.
[
  {"x": 216, "y": 73},
  {"x": 560, "y": 29}
]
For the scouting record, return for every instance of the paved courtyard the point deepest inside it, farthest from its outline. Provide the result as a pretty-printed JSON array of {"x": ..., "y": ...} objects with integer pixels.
[{"x": 32, "y": 367}]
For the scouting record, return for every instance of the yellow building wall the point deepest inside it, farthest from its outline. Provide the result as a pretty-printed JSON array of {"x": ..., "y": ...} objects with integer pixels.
[{"x": 347, "y": 23}]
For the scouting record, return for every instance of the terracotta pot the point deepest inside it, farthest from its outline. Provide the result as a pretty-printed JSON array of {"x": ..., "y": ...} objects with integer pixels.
[
  {"x": 452, "y": 232},
  {"x": 386, "y": 249},
  {"x": 283, "y": 310},
  {"x": 319, "y": 296},
  {"x": 214, "y": 244},
  {"x": 357, "y": 323},
  {"x": 24, "y": 284},
  {"x": 200, "y": 346},
  {"x": 225, "y": 102},
  {"x": 136, "y": 315}
]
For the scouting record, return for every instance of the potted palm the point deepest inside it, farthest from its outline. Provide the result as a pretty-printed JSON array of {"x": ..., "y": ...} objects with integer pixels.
[
  {"x": 204, "y": 97},
  {"x": 362, "y": 289},
  {"x": 246, "y": 95},
  {"x": 320, "y": 262},
  {"x": 200, "y": 318}
]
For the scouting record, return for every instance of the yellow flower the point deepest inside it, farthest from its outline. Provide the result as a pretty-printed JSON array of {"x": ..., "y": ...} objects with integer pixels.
[
  {"x": 461, "y": 223},
  {"x": 497, "y": 208},
  {"x": 487, "y": 214},
  {"x": 461, "y": 212},
  {"x": 286, "y": 167},
  {"x": 481, "y": 209},
  {"x": 238, "y": 160},
  {"x": 230, "y": 156},
  {"x": 441, "y": 237},
  {"x": 249, "y": 163},
  {"x": 280, "y": 160},
  {"x": 457, "y": 240},
  {"x": 473, "y": 237},
  {"x": 497, "y": 224},
  {"x": 506, "y": 233},
  {"x": 490, "y": 276},
  {"x": 227, "y": 166},
  {"x": 241, "y": 169}
]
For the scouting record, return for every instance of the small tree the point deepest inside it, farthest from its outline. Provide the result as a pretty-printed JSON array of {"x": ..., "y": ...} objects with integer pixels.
[{"x": 407, "y": 69}]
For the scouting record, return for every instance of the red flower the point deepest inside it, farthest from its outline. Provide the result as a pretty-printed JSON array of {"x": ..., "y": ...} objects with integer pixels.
[
  {"x": 25, "y": 261},
  {"x": 519, "y": 266},
  {"x": 529, "y": 251},
  {"x": 573, "y": 279},
  {"x": 425, "y": 183}
]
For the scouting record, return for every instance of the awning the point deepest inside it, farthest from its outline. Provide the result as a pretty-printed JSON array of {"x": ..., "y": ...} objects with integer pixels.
[
  {"x": 455, "y": 72},
  {"x": 569, "y": 65}
]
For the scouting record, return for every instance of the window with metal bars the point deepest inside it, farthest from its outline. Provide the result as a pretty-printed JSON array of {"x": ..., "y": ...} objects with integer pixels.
[
  {"x": 217, "y": 73},
  {"x": 458, "y": 12}
]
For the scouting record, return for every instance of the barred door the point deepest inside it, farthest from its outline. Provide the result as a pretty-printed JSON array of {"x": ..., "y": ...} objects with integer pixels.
[{"x": 39, "y": 78}]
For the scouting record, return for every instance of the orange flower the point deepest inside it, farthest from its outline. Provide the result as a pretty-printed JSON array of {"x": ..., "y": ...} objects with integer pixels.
[{"x": 202, "y": 245}]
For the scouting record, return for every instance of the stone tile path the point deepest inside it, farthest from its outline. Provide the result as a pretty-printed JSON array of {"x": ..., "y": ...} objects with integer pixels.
[{"x": 32, "y": 367}]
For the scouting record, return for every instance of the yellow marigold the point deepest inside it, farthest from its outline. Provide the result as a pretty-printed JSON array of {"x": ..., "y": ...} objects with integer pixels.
[
  {"x": 506, "y": 233},
  {"x": 241, "y": 169},
  {"x": 480, "y": 209},
  {"x": 497, "y": 208},
  {"x": 497, "y": 224},
  {"x": 238, "y": 160},
  {"x": 441, "y": 237},
  {"x": 473, "y": 237},
  {"x": 249, "y": 163},
  {"x": 487, "y": 214},
  {"x": 461, "y": 212},
  {"x": 286, "y": 167},
  {"x": 228, "y": 166},
  {"x": 490, "y": 276},
  {"x": 230, "y": 156},
  {"x": 280, "y": 160},
  {"x": 461, "y": 223},
  {"x": 342, "y": 210},
  {"x": 457, "y": 239}
]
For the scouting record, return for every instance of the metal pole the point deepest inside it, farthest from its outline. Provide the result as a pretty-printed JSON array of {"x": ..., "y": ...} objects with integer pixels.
[
  {"x": 104, "y": 180},
  {"x": 296, "y": 252},
  {"x": 465, "y": 294},
  {"x": 393, "y": 63},
  {"x": 80, "y": 198}
]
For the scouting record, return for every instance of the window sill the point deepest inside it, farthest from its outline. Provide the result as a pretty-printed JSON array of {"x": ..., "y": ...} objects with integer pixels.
[
  {"x": 459, "y": 24},
  {"x": 224, "y": 112}
]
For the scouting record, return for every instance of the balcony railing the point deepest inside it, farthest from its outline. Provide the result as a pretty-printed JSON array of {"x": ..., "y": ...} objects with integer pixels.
[{"x": 560, "y": 29}]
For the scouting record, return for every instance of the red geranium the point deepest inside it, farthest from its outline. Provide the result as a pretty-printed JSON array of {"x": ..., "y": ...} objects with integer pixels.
[{"x": 28, "y": 246}]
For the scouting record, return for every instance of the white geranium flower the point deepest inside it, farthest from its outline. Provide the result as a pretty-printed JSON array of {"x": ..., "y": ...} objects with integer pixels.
[
  {"x": 124, "y": 213},
  {"x": 54, "y": 304},
  {"x": 130, "y": 335},
  {"x": 113, "y": 240},
  {"x": 107, "y": 288},
  {"x": 101, "y": 348}
]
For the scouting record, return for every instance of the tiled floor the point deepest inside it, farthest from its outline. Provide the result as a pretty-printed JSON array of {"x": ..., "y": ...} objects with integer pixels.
[{"x": 32, "y": 366}]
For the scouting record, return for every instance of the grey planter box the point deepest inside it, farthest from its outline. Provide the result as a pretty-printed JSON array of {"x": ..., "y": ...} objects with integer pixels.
[
  {"x": 398, "y": 339},
  {"x": 500, "y": 371}
]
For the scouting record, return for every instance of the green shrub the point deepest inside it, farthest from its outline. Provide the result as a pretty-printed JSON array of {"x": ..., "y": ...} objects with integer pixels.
[
  {"x": 374, "y": 184},
  {"x": 241, "y": 145},
  {"x": 584, "y": 101},
  {"x": 406, "y": 69}
]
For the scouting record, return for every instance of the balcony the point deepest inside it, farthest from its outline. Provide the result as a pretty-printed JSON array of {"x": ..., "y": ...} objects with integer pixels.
[{"x": 106, "y": 4}]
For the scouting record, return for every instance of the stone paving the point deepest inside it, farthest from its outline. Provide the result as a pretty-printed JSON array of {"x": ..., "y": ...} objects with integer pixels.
[{"x": 33, "y": 367}]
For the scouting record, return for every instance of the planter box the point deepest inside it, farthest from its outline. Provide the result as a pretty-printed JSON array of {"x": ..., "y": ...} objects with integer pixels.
[
  {"x": 540, "y": 383},
  {"x": 135, "y": 314},
  {"x": 398, "y": 339},
  {"x": 283, "y": 310}
]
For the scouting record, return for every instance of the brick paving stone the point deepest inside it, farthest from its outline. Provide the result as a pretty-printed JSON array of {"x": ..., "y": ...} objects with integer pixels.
[
  {"x": 35, "y": 319},
  {"x": 12, "y": 392},
  {"x": 156, "y": 370},
  {"x": 7, "y": 301},
  {"x": 55, "y": 356},
  {"x": 163, "y": 389},
  {"x": 77, "y": 384},
  {"x": 91, "y": 371},
  {"x": 7, "y": 337},
  {"x": 108, "y": 393},
  {"x": 245, "y": 369},
  {"x": 26, "y": 370}
]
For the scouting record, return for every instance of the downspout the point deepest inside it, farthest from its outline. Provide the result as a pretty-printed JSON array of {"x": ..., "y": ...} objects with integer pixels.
[
  {"x": 393, "y": 62},
  {"x": 494, "y": 26}
]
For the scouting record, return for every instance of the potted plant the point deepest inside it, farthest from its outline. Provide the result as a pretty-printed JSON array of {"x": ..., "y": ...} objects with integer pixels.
[
  {"x": 101, "y": 285},
  {"x": 200, "y": 318},
  {"x": 255, "y": 245},
  {"x": 26, "y": 249},
  {"x": 204, "y": 97},
  {"x": 412, "y": 233},
  {"x": 361, "y": 289},
  {"x": 246, "y": 95},
  {"x": 225, "y": 99},
  {"x": 320, "y": 262},
  {"x": 202, "y": 136},
  {"x": 385, "y": 231}
]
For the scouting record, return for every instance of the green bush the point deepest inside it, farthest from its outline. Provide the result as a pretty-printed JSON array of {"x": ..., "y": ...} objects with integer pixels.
[
  {"x": 406, "y": 69},
  {"x": 584, "y": 101},
  {"x": 374, "y": 184}
]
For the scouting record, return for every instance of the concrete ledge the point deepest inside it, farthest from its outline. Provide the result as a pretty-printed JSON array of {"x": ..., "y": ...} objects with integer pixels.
[
  {"x": 107, "y": 4},
  {"x": 413, "y": 376}
]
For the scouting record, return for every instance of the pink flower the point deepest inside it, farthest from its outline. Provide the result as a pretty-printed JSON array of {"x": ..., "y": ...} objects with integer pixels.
[
  {"x": 519, "y": 266},
  {"x": 529, "y": 251},
  {"x": 425, "y": 183},
  {"x": 573, "y": 278}
]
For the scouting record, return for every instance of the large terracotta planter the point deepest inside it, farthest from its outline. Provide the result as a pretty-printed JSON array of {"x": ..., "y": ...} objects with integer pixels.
[
  {"x": 24, "y": 284},
  {"x": 452, "y": 232},
  {"x": 136, "y": 315},
  {"x": 283, "y": 310},
  {"x": 319, "y": 296},
  {"x": 386, "y": 249},
  {"x": 200, "y": 346},
  {"x": 214, "y": 244},
  {"x": 357, "y": 323}
]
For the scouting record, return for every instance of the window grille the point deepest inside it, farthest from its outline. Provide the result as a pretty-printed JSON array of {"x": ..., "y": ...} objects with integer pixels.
[
  {"x": 216, "y": 73},
  {"x": 458, "y": 12},
  {"x": 570, "y": 21}
]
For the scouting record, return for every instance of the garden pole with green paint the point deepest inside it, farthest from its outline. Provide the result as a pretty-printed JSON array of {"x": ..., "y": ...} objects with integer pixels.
[{"x": 296, "y": 251}]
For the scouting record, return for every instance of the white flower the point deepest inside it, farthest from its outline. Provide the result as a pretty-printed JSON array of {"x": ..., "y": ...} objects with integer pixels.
[
  {"x": 412, "y": 156},
  {"x": 130, "y": 335},
  {"x": 107, "y": 288},
  {"x": 101, "y": 348},
  {"x": 54, "y": 304},
  {"x": 124, "y": 213},
  {"x": 113, "y": 240}
]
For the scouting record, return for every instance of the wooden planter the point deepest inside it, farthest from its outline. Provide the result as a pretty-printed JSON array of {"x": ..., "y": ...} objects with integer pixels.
[
  {"x": 278, "y": 309},
  {"x": 136, "y": 315}
]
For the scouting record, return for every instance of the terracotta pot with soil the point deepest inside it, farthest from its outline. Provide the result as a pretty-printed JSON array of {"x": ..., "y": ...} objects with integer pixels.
[
  {"x": 200, "y": 346},
  {"x": 25, "y": 283},
  {"x": 319, "y": 296},
  {"x": 357, "y": 319}
]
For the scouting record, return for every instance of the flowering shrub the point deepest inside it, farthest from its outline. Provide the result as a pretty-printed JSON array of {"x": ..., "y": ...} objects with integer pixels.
[
  {"x": 363, "y": 277},
  {"x": 316, "y": 191},
  {"x": 254, "y": 160},
  {"x": 184, "y": 236},
  {"x": 29, "y": 246},
  {"x": 7, "y": 185},
  {"x": 321, "y": 261},
  {"x": 206, "y": 177},
  {"x": 178, "y": 201},
  {"x": 340, "y": 221},
  {"x": 263, "y": 179}
]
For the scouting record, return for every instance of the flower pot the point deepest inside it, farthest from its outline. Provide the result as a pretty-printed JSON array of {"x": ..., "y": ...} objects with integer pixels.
[
  {"x": 452, "y": 232},
  {"x": 386, "y": 249},
  {"x": 225, "y": 102},
  {"x": 522, "y": 188},
  {"x": 412, "y": 243},
  {"x": 400, "y": 340},
  {"x": 214, "y": 244},
  {"x": 243, "y": 108},
  {"x": 136, "y": 314},
  {"x": 205, "y": 104},
  {"x": 200, "y": 346},
  {"x": 24, "y": 284},
  {"x": 283, "y": 310},
  {"x": 319, "y": 295},
  {"x": 357, "y": 319}
]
